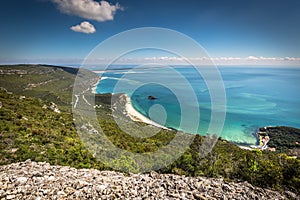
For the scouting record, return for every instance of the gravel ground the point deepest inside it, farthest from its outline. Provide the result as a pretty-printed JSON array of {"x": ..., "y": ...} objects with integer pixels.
[{"x": 32, "y": 180}]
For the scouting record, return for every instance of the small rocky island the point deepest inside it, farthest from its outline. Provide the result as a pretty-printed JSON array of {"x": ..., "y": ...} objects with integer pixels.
[{"x": 151, "y": 97}]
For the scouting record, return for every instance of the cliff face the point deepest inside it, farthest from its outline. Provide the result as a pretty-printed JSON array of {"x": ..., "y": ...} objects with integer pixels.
[{"x": 32, "y": 180}]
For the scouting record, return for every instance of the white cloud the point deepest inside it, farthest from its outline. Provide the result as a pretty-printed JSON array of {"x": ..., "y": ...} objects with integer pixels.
[
  {"x": 250, "y": 60},
  {"x": 84, "y": 27},
  {"x": 88, "y": 9},
  {"x": 291, "y": 59},
  {"x": 164, "y": 58},
  {"x": 200, "y": 61}
]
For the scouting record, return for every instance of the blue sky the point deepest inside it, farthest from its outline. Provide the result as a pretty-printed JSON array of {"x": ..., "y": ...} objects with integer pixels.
[{"x": 54, "y": 31}]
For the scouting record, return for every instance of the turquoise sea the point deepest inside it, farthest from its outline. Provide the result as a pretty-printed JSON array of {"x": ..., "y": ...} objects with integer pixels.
[{"x": 256, "y": 96}]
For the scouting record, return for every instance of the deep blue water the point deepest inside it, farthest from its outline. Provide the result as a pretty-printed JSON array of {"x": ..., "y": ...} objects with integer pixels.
[{"x": 256, "y": 97}]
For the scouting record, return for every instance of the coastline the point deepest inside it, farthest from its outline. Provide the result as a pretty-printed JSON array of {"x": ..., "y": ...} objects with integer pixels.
[{"x": 136, "y": 115}]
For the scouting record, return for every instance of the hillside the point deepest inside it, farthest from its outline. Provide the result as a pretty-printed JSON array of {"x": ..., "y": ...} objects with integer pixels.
[
  {"x": 50, "y": 83},
  {"x": 31, "y": 129}
]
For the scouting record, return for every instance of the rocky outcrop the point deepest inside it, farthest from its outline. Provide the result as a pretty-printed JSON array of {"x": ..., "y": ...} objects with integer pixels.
[
  {"x": 31, "y": 180},
  {"x": 52, "y": 107}
]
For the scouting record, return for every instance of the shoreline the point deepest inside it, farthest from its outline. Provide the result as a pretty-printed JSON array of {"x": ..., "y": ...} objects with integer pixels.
[{"x": 137, "y": 116}]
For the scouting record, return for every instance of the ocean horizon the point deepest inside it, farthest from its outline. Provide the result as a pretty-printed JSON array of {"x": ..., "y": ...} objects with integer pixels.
[{"x": 255, "y": 97}]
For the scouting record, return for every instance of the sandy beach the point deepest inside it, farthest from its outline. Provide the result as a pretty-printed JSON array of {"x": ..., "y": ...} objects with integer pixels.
[
  {"x": 137, "y": 116},
  {"x": 94, "y": 87}
]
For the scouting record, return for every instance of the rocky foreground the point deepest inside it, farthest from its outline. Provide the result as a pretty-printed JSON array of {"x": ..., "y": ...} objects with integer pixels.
[{"x": 32, "y": 180}]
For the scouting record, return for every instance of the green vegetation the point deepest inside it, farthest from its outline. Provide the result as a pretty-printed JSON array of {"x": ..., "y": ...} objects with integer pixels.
[{"x": 29, "y": 130}]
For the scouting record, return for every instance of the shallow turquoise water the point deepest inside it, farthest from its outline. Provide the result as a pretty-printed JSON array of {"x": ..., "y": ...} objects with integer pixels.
[{"x": 256, "y": 97}]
